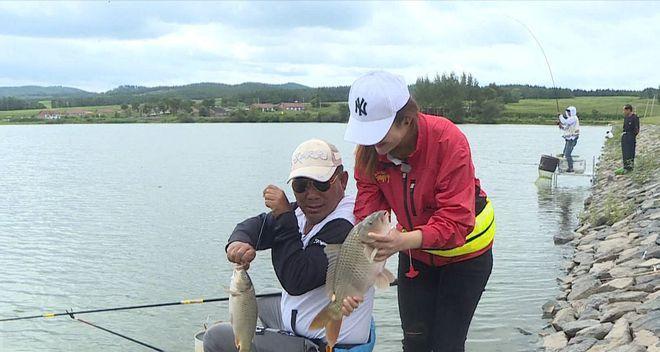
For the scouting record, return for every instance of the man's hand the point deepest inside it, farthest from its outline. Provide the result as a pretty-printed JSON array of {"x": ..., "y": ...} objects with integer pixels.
[
  {"x": 350, "y": 304},
  {"x": 241, "y": 253},
  {"x": 276, "y": 200}
]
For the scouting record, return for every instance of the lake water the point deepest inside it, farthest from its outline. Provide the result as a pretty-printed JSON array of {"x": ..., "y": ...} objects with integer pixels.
[{"x": 95, "y": 216}]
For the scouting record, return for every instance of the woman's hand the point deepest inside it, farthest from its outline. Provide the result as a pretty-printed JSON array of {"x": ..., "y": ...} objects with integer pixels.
[
  {"x": 350, "y": 304},
  {"x": 276, "y": 200},
  {"x": 394, "y": 241}
]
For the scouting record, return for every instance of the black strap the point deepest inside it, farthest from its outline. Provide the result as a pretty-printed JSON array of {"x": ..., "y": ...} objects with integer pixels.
[{"x": 294, "y": 315}]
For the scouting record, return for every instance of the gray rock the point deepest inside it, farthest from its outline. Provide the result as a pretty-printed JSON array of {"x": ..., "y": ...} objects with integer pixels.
[
  {"x": 572, "y": 327},
  {"x": 555, "y": 341},
  {"x": 650, "y": 263},
  {"x": 589, "y": 313},
  {"x": 647, "y": 286},
  {"x": 646, "y": 338},
  {"x": 614, "y": 311},
  {"x": 620, "y": 333},
  {"x": 629, "y": 348},
  {"x": 598, "y": 331},
  {"x": 601, "y": 268},
  {"x": 616, "y": 284},
  {"x": 563, "y": 238},
  {"x": 620, "y": 271},
  {"x": 584, "y": 258},
  {"x": 580, "y": 344},
  {"x": 583, "y": 287},
  {"x": 549, "y": 308},
  {"x": 563, "y": 316},
  {"x": 653, "y": 304},
  {"x": 627, "y": 296},
  {"x": 650, "y": 322}
]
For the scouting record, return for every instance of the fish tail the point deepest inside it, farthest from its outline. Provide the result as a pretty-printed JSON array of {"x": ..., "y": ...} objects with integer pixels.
[
  {"x": 321, "y": 319},
  {"x": 332, "y": 333}
]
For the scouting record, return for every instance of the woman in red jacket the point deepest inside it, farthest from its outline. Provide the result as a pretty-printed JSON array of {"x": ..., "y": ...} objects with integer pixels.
[{"x": 420, "y": 167}]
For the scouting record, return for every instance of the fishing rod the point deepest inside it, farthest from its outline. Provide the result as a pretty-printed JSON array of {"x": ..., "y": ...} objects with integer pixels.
[
  {"x": 547, "y": 62},
  {"x": 115, "y": 333},
  {"x": 183, "y": 302}
]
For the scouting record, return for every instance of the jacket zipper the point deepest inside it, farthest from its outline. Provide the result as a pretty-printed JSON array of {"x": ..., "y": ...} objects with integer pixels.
[
  {"x": 412, "y": 197},
  {"x": 405, "y": 200}
]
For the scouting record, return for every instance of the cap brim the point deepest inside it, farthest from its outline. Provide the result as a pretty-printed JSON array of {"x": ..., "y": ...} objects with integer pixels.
[
  {"x": 369, "y": 132},
  {"x": 318, "y": 173}
]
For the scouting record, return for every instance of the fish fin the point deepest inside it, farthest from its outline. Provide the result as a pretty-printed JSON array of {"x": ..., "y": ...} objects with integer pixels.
[
  {"x": 332, "y": 332},
  {"x": 332, "y": 252},
  {"x": 321, "y": 319},
  {"x": 370, "y": 253},
  {"x": 384, "y": 279}
]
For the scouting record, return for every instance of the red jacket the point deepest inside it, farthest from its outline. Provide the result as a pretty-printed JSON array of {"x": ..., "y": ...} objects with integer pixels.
[{"x": 437, "y": 195}]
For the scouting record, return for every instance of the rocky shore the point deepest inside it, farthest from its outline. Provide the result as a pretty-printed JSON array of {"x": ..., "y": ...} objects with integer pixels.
[{"x": 610, "y": 298}]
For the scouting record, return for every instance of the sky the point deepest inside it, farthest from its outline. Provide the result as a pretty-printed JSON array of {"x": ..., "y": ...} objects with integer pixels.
[{"x": 98, "y": 46}]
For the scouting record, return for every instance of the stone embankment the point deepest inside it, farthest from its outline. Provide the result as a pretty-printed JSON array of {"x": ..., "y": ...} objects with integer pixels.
[{"x": 610, "y": 299}]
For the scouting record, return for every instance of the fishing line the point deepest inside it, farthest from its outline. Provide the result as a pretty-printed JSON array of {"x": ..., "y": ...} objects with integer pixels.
[
  {"x": 547, "y": 62},
  {"x": 115, "y": 333}
]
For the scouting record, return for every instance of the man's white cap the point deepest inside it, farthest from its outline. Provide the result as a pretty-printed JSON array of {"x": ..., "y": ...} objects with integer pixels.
[
  {"x": 373, "y": 101},
  {"x": 315, "y": 159}
]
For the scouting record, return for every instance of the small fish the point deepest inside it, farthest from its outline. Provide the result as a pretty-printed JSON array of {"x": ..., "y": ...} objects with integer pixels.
[
  {"x": 351, "y": 272},
  {"x": 242, "y": 308}
]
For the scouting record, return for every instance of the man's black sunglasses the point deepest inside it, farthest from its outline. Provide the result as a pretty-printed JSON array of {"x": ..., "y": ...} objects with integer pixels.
[{"x": 300, "y": 185}]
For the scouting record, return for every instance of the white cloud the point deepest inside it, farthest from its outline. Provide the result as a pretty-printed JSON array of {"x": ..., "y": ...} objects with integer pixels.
[{"x": 100, "y": 45}]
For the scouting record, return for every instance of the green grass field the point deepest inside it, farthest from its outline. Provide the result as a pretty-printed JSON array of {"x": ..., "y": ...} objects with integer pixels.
[{"x": 605, "y": 105}]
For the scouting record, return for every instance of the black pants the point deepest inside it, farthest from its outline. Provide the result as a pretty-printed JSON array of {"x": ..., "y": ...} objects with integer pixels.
[
  {"x": 437, "y": 306},
  {"x": 628, "y": 143}
]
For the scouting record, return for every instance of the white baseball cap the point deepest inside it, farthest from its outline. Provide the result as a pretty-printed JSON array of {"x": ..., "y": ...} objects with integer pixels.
[
  {"x": 373, "y": 101},
  {"x": 315, "y": 159}
]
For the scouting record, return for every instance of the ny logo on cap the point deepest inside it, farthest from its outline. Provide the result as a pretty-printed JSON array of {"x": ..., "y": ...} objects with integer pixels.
[{"x": 360, "y": 106}]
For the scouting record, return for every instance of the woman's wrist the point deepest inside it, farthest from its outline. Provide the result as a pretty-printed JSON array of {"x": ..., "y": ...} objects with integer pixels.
[{"x": 412, "y": 240}]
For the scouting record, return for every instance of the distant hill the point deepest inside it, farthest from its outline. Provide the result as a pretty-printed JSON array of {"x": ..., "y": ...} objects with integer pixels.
[
  {"x": 188, "y": 91},
  {"x": 38, "y": 92},
  {"x": 203, "y": 90}
]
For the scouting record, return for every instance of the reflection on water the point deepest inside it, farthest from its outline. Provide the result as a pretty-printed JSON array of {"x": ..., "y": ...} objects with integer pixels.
[{"x": 112, "y": 215}]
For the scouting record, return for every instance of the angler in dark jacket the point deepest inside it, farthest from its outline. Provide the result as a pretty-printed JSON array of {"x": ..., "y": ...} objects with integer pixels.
[{"x": 628, "y": 139}]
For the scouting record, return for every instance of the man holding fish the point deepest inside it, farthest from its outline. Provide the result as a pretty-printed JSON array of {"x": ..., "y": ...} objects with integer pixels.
[{"x": 299, "y": 235}]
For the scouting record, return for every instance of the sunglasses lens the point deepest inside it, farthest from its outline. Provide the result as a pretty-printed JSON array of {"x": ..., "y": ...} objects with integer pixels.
[
  {"x": 322, "y": 186},
  {"x": 299, "y": 185}
]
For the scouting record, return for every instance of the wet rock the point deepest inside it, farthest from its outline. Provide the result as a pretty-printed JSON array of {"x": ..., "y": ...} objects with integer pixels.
[
  {"x": 549, "y": 309},
  {"x": 563, "y": 238}
]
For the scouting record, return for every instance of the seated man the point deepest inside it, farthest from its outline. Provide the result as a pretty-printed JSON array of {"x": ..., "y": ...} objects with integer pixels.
[{"x": 297, "y": 233}]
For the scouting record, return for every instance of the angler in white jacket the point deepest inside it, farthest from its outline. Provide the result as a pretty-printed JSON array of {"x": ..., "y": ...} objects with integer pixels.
[{"x": 570, "y": 124}]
